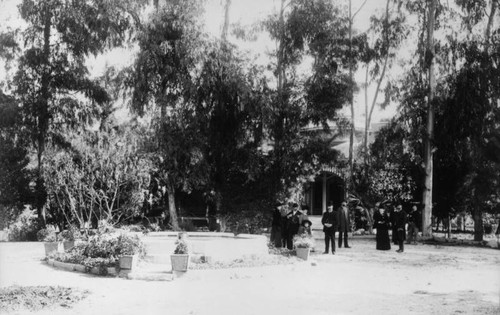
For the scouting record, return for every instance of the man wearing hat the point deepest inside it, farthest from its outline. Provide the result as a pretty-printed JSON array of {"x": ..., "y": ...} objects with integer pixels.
[
  {"x": 330, "y": 223},
  {"x": 344, "y": 221},
  {"x": 400, "y": 218}
]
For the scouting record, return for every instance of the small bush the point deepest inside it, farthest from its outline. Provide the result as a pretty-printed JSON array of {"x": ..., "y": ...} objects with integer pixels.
[
  {"x": 181, "y": 246},
  {"x": 24, "y": 229},
  {"x": 248, "y": 222},
  {"x": 303, "y": 241},
  {"x": 71, "y": 234},
  {"x": 46, "y": 235}
]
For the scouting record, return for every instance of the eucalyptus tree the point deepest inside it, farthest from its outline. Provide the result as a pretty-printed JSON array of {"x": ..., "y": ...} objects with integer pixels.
[
  {"x": 471, "y": 109},
  {"x": 204, "y": 100},
  {"x": 52, "y": 82},
  {"x": 465, "y": 107},
  {"x": 429, "y": 134},
  {"x": 386, "y": 35},
  {"x": 303, "y": 30},
  {"x": 170, "y": 47}
]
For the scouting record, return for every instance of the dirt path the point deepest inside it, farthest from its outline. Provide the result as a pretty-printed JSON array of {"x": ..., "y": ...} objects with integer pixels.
[{"x": 426, "y": 279}]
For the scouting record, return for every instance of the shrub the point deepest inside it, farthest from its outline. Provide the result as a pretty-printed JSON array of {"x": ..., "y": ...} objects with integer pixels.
[
  {"x": 249, "y": 222},
  {"x": 71, "y": 234},
  {"x": 303, "y": 241},
  {"x": 181, "y": 246},
  {"x": 25, "y": 228},
  {"x": 114, "y": 245},
  {"x": 46, "y": 235}
]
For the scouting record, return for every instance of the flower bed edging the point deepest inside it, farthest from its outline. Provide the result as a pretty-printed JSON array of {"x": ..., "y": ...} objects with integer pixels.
[{"x": 79, "y": 268}]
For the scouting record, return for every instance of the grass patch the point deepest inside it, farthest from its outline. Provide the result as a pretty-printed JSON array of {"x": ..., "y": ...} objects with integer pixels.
[{"x": 35, "y": 298}]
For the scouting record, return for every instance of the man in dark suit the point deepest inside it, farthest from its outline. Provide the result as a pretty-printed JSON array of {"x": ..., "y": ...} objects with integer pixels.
[
  {"x": 293, "y": 220},
  {"x": 400, "y": 218},
  {"x": 330, "y": 224},
  {"x": 344, "y": 223}
]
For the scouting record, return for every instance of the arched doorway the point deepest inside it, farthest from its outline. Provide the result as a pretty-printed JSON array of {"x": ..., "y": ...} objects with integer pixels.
[{"x": 328, "y": 186}]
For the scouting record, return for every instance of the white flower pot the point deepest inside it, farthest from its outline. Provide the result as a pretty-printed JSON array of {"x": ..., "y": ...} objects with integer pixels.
[
  {"x": 180, "y": 262},
  {"x": 303, "y": 253}
]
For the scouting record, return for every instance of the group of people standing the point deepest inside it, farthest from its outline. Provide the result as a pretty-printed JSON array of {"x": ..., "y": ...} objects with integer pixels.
[
  {"x": 288, "y": 221},
  {"x": 383, "y": 221}
]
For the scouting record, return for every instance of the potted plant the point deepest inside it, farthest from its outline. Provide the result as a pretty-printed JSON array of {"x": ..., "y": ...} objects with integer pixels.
[
  {"x": 303, "y": 244},
  {"x": 129, "y": 250},
  {"x": 69, "y": 236},
  {"x": 49, "y": 238},
  {"x": 180, "y": 257}
]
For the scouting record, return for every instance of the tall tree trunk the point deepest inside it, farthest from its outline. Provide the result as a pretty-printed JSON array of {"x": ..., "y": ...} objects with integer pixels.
[
  {"x": 368, "y": 116},
  {"x": 171, "y": 206},
  {"x": 367, "y": 123},
  {"x": 478, "y": 212},
  {"x": 279, "y": 125},
  {"x": 429, "y": 136},
  {"x": 351, "y": 99},
  {"x": 43, "y": 119},
  {"x": 225, "y": 27}
]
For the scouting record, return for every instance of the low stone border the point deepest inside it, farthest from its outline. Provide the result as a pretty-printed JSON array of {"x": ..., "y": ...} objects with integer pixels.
[{"x": 79, "y": 268}]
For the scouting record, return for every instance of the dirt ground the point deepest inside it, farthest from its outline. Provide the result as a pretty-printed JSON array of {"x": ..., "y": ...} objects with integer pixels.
[{"x": 426, "y": 279}]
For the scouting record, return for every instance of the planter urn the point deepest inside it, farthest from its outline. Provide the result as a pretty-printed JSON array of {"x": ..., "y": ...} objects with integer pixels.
[
  {"x": 303, "y": 253},
  {"x": 67, "y": 245},
  {"x": 180, "y": 262},
  {"x": 51, "y": 247},
  {"x": 128, "y": 262}
]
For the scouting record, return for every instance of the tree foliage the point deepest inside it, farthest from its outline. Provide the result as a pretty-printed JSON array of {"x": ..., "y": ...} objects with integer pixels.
[
  {"x": 102, "y": 178},
  {"x": 467, "y": 112},
  {"x": 306, "y": 29},
  {"x": 14, "y": 176},
  {"x": 52, "y": 82}
]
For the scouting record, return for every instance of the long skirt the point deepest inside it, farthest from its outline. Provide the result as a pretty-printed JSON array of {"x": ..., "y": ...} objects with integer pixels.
[{"x": 383, "y": 241}]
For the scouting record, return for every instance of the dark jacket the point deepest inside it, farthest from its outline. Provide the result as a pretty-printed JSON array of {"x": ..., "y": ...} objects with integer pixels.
[
  {"x": 293, "y": 222},
  {"x": 344, "y": 220},
  {"x": 330, "y": 217},
  {"x": 381, "y": 221},
  {"x": 414, "y": 217},
  {"x": 276, "y": 218},
  {"x": 400, "y": 218}
]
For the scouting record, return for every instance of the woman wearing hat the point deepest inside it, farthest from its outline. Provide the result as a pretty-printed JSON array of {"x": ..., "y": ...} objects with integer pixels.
[
  {"x": 382, "y": 223},
  {"x": 276, "y": 237}
]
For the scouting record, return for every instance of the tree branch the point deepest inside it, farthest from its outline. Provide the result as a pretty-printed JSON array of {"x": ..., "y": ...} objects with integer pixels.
[{"x": 361, "y": 7}]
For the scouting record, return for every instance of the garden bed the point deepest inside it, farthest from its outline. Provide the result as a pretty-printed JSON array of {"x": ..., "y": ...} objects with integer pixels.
[{"x": 111, "y": 271}]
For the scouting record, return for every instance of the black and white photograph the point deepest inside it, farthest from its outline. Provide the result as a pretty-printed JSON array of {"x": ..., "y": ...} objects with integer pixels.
[{"x": 250, "y": 157}]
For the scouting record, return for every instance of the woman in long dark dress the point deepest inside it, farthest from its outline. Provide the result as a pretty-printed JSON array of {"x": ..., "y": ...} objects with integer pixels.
[{"x": 382, "y": 223}]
